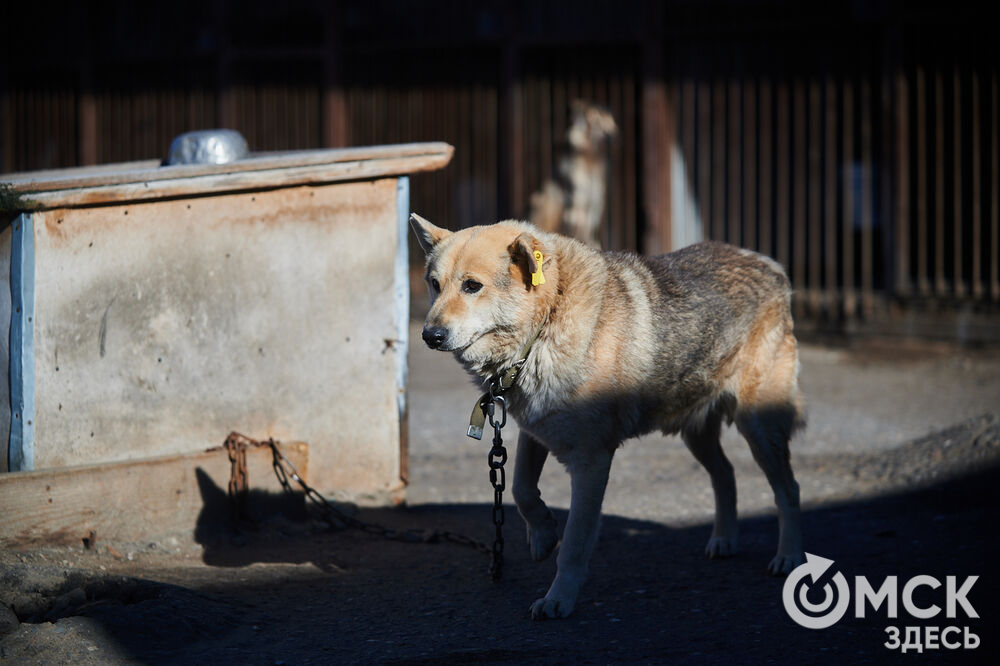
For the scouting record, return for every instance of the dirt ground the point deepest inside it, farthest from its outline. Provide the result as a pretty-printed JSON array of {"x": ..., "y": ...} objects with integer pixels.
[{"x": 899, "y": 472}]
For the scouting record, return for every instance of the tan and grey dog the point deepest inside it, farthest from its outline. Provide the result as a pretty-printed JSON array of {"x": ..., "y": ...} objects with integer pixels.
[{"x": 625, "y": 345}]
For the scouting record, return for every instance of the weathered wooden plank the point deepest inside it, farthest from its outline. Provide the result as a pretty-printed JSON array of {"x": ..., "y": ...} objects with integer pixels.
[
  {"x": 424, "y": 157},
  {"x": 129, "y": 501},
  {"x": 230, "y": 182}
]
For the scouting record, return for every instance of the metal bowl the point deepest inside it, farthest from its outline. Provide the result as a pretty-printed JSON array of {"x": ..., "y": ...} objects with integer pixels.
[{"x": 216, "y": 146}]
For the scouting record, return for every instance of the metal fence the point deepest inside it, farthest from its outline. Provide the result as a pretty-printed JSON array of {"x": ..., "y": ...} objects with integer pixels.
[
  {"x": 863, "y": 158},
  {"x": 863, "y": 179}
]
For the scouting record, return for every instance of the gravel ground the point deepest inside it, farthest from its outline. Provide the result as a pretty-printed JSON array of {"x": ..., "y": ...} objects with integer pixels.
[{"x": 899, "y": 472}]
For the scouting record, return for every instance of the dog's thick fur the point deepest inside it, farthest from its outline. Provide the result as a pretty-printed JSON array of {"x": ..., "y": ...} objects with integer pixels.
[{"x": 627, "y": 345}]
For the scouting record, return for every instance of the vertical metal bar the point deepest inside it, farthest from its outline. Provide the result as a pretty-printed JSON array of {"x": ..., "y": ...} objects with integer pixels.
[
  {"x": 764, "y": 170},
  {"x": 733, "y": 159},
  {"x": 887, "y": 207},
  {"x": 847, "y": 239},
  {"x": 87, "y": 136},
  {"x": 511, "y": 134},
  {"x": 750, "y": 136},
  {"x": 692, "y": 214},
  {"x": 658, "y": 139},
  {"x": 21, "y": 444},
  {"x": 994, "y": 192},
  {"x": 902, "y": 184},
  {"x": 800, "y": 208},
  {"x": 815, "y": 193},
  {"x": 226, "y": 104},
  {"x": 704, "y": 151},
  {"x": 766, "y": 180},
  {"x": 719, "y": 161},
  {"x": 940, "y": 287},
  {"x": 922, "y": 165},
  {"x": 618, "y": 183},
  {"x": 830, "y": 226},
  {"x": 492, "y": 150},
  {"x": 6, "y": 125},
  {"x": 783, "y": 186},
  {"x": 977, "y": 211},
  {"x": 867, "y": 255},
  {"x": 957, "y": 172},
  {"x": 545, "y": 136},
  {"x": 462, "y": 113},
  {"x": 630, "y": 141},
  {"x": 560, "y": 105}
]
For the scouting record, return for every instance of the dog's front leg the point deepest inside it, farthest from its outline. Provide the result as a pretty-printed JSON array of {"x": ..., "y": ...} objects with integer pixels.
[
  {"x": 588, "y": 478},
  {"x": 541, "y": 523}
]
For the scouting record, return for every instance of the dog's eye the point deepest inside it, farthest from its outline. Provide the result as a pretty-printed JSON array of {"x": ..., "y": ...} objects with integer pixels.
[
  {"x": 435, "y": 285},
  {"x": 471, "y": 286}
]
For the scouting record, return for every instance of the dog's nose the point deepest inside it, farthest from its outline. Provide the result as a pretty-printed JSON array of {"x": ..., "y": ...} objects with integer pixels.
[{"x": 435, "y": 336}]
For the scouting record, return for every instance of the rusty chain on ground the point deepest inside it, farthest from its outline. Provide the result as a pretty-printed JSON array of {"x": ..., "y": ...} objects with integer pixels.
[{"x": 237, "y": 444}]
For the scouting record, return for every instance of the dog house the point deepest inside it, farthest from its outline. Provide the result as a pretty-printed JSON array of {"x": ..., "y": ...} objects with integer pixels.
[{"x": 153, "y": 309}]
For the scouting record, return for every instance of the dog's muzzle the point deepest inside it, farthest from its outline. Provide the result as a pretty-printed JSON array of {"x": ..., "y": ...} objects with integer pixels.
[{"x": 435, "y": 336}]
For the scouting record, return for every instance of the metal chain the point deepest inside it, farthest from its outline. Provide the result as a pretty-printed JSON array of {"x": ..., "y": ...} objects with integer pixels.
[
  {"x": 498, "y": 478},
  {"x": 236, "y": 445}
]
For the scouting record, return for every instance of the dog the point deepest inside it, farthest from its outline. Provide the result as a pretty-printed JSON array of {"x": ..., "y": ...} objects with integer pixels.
[
  {"x": 573, "y": 202},
  {"x": 620, "y": 345}
]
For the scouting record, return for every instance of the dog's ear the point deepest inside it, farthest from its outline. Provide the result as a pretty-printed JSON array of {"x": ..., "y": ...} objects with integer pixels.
[
  {"x": 524, "y": 253},
  {"x": 427, "y": 234}
]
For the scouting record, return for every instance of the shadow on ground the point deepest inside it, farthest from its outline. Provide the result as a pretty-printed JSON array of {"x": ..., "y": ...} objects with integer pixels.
[{"x": 290, "y": 594}]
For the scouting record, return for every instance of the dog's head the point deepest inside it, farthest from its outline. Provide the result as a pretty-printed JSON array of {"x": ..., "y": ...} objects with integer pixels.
[
  {"x": 591, "y": 127},
  {"x": 488, "y": 289}
]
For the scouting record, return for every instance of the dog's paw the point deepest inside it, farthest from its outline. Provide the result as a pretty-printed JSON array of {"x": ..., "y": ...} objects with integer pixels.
[
  {"x": 720, "y": 546},
  {"x": 783, "y": 564},
  {"x": 560, "y": 600},
  {"x": 542, "y": 539},
  {"x": 551, "y": 608}
]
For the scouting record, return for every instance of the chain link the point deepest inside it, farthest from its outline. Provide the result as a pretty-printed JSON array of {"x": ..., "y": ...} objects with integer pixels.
[
  {"x": 238, "y": 478},
  {"x": 236, "y": 446},
  {"x": 498, "y": 478}
]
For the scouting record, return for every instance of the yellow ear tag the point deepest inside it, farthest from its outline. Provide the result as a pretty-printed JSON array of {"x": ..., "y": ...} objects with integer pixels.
[{"x": 538, "y": 277}]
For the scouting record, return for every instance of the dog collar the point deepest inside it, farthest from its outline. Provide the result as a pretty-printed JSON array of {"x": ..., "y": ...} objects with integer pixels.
[{"x": 499, "y": 384}]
